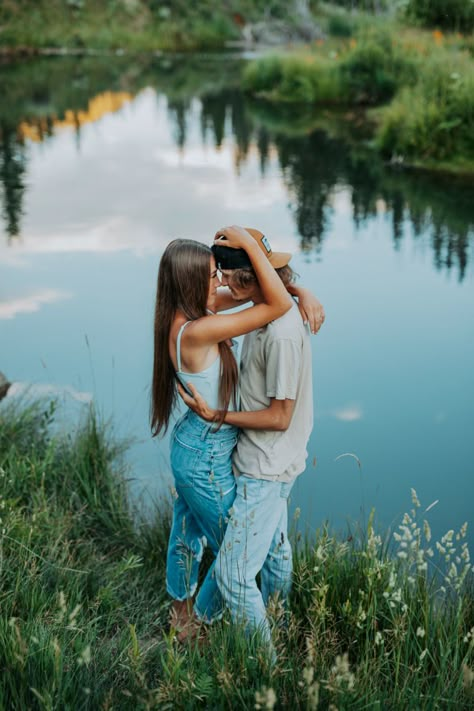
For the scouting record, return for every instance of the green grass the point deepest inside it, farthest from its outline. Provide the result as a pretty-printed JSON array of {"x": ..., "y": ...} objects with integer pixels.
[{"x": 84, "y": 607}]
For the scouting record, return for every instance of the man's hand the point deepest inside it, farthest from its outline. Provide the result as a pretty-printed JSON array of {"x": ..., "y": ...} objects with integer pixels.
[
  {"x": 311, "y": 310},
  {"x": 197, "y": 403}
]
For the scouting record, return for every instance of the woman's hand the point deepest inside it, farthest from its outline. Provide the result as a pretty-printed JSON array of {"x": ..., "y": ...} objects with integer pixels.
[
  {"x": 197, "y": 403},
  {"x": 233, "y": 236},
  {"x": 311, "y": 310}
]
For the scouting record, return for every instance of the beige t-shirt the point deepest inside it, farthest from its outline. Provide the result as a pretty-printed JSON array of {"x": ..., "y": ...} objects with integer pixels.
[{"x": 276, "y": 363}]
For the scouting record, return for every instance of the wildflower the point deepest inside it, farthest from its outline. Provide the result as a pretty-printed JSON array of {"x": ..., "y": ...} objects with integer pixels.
[
  {"x": 308, "y": 675},
  {"x": 438, "y": 36},
  {"x": 402, "y": 554},
  {"x": 85, "y": 656},
  {"x": 340, "y": 675},
  {"x": 224, "y": 679},
  {"x": 73, "y": 616},
  {"x": 427, "y": 530},
  {"x": 467, "y": 676},
  {"x": 62, "y": 607},
  {"x": 414, "y": 499},
  {"x": 470, "y": 635},
  {"x": 378, "y": 639},
  {"x": 265, "y": 699},
  {"x": 420, "y": 632}
]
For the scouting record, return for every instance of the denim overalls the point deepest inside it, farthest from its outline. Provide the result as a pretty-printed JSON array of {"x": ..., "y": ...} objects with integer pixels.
[{"x": 205, "y": 491}]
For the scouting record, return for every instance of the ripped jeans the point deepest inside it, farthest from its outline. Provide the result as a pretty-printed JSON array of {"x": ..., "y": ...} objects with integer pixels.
[{"x": 205, "y": 491}]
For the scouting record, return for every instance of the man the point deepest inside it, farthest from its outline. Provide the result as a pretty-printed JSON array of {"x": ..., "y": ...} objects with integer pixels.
[{"x": 276, "y": 419}]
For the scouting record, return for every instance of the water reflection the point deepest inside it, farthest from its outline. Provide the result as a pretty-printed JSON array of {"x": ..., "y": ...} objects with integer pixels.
[{"x": 320, "y": 155}]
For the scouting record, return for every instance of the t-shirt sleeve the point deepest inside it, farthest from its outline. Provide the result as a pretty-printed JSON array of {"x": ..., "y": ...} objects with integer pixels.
[{"x": 283, "y": 363}]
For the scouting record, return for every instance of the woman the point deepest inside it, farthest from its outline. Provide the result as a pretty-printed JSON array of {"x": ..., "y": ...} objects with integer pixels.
[{"x": 193, "y": 344}]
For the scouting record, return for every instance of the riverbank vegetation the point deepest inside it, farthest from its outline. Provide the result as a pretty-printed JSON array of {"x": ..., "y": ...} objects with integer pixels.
[
  {"x": 358, "y": 53},
  {"x": 422, "y": 82},
  {"x": 142, "y": 25},
  {"x": 372, "y": 623}
]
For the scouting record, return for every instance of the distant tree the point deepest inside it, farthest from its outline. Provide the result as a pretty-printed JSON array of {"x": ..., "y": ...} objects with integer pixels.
[{"x": 12, "y": 171}]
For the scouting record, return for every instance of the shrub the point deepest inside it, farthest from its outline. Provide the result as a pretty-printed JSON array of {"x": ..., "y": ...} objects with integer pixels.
[
  {"x": 340, "y": 26},
  {"x": 435, "y": 118},
  {"x": 298, "y": 78},
  {"x": 375, "y": 68}
]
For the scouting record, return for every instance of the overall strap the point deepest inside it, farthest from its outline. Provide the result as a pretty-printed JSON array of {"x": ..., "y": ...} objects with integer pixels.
[{"x": 178, "y": 344}]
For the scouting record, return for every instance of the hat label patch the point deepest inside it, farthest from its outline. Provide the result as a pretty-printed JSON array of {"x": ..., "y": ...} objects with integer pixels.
[{"x": 266, "y": 243}]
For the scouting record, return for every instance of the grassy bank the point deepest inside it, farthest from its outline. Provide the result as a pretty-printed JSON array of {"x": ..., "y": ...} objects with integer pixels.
[
  {"x": 112, "y": 24},
  {"x": 84, "y": 605},
  {"x": 135, "y": 25},
  {"x": 423, "y": 84}
]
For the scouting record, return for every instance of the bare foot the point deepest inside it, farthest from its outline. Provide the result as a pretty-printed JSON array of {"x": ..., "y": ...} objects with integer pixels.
[{"x": 186, "y": 625}]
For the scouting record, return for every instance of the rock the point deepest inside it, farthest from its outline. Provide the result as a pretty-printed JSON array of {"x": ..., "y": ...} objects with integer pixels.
[
  {"x": 277, "y": 32},
  {"x": 4, "y": 386}
]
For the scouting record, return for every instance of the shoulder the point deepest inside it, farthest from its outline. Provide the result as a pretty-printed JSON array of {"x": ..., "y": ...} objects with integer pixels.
[{"x": 287, "y": 327}]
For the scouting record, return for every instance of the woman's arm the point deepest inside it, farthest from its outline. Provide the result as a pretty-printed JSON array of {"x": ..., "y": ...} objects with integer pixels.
[
  {"x": 311, "y": 310},
  {"x": 225, "y": 301}
]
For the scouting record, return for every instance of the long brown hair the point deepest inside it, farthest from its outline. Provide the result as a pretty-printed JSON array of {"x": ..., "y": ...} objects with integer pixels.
[{"x": 183, "y": 284}]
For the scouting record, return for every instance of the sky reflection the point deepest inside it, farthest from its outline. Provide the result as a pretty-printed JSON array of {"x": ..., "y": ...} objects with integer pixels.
[{"x": 389, "y": 255}]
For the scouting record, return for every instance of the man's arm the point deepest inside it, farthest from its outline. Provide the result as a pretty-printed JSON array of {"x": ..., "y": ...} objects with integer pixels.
[{"x": 276, "y": 417}]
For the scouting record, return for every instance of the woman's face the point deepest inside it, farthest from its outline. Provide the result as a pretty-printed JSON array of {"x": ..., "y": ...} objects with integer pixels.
[{"x": 214, "y": 282}]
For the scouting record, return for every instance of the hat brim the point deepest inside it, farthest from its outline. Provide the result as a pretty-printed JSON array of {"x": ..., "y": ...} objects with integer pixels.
[{"x": 279, "y": 259}]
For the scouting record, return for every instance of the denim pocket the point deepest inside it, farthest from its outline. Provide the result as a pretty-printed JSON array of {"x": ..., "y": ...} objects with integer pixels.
[
  {"x": 225, "y": 448},
  {"x": 286, "y": 489},
  {"x": 184, "y": 462}
]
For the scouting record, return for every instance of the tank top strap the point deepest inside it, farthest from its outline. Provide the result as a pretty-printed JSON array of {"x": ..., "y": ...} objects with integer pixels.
[{"x": 178, "y": 344}]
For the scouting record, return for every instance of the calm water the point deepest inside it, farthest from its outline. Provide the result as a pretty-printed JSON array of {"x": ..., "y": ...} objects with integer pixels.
[{"x": 103, "y": 161}]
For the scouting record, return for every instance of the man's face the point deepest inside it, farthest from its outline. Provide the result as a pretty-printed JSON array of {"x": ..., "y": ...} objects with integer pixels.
[{"x": 238, "y": 293}]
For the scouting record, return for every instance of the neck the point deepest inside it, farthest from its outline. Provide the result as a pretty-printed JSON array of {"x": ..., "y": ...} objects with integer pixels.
[{"x": 257, "y": 296}]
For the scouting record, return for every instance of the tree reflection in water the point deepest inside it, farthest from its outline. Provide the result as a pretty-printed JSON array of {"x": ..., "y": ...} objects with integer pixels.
[{"x": 319, "y": 154}]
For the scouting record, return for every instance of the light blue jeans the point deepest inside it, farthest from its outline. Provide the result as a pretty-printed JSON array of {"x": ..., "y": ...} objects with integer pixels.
[
  {"x": 256, "y": 540},
  {"x": 205, "y": 491}
]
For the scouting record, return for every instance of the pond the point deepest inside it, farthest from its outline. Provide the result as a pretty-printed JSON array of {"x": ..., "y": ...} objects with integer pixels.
[{"x": 103, "y": 160}]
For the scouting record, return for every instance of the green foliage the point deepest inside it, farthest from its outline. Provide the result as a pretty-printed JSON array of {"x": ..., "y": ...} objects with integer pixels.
[
  {"x": 369, "y": 72},
  {"x": 435, "y": 118},
  {"x": 340, "y": 26},
  {"x": 293, "y": 79},
  {"x": 448, "y": 14},
  {"x": 375, "y": 68}
]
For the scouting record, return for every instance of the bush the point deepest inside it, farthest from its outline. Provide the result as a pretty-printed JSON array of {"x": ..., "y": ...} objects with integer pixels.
[
  {"x": 375, "y": 69},
  {"x": 340, "y": 26},
  {"x": 294, "y": 79},
  {"x": 449, "y": 14},
  {"x": 435, "y": 118}
]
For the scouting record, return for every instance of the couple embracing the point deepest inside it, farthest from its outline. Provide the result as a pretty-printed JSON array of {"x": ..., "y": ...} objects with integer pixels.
[{"x": 240, "y": 446}]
